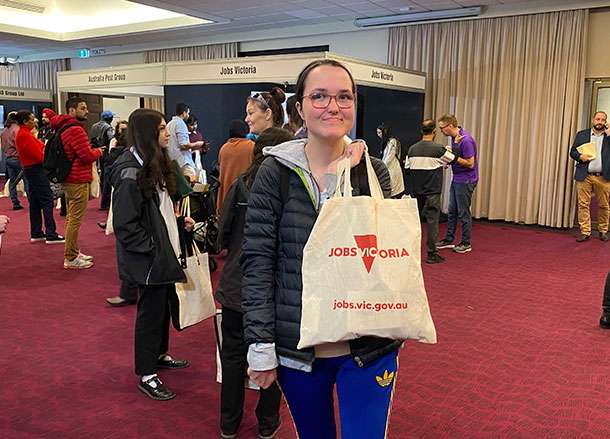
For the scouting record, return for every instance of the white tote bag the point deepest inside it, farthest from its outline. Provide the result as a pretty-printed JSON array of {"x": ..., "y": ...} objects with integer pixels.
[
  {"x": 195, "y": 297},
  {"x": 362, "y": 269}
]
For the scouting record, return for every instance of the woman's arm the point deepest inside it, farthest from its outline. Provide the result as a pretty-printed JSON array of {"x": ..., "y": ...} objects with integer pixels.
[{"x": 258, "y": 261}]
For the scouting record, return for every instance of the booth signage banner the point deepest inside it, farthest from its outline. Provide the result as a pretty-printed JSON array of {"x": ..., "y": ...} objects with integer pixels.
[
  {"x": 380, "y": 76},
  {"x": 143, "y": 75},
  {"x": 281, "y": 70},
  {"x": 25, "y": 94},
  {"x": 230, "y": 70}
]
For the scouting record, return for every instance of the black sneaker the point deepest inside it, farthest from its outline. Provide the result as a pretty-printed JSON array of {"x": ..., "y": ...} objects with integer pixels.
[
  {"x": 58, "y": 239},
  {"x": 155, "y": 389},
  {"x": 444, "y": 244},
  {"x": 38, "y": 238},
  {"x": 269, "y": 433},
  {"x": 462, "y": 248},
  {"x": 435, "y": 259}
]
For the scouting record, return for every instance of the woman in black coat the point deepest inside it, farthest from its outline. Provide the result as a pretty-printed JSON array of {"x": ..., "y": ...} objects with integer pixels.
[
  {"x": 146, "y": 230},
  {"x": 228, "y": 294},
  {"x": 289, "y": 190}
]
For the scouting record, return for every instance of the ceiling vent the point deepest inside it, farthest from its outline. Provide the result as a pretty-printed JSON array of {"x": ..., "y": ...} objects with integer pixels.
[{"x": 22, "y": 6}]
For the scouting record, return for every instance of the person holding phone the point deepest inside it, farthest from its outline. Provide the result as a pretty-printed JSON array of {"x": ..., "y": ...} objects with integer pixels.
[{"x": 592, "y": 174}]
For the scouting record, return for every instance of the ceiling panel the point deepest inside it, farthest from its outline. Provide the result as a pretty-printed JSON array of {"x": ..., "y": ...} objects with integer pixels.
[{"x": 274, "y": 16}]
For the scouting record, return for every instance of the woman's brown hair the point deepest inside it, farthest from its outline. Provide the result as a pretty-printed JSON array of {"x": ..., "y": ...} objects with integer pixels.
[
  {"x": 300, "y": 86},
  {"x": 274, "y": 100}
]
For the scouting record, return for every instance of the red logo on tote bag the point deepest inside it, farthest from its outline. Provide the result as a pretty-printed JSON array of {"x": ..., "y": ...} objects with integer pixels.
[{"x": 367, "y": 250}]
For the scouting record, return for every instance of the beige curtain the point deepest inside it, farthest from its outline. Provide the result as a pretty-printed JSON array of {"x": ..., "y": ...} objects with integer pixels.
[
  {"x": 195, "y": 53},
  {"x": 155, "y": 104},
  {"x": 36, "y": 74},
  {"x": 516, "y": 84}
]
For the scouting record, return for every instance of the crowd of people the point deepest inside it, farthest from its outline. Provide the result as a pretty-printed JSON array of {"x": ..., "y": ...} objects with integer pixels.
[{"x": 273, "y": 180}]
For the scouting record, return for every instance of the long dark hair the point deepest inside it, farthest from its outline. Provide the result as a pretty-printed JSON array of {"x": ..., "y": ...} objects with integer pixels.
[
  {"x": 274, "y": 100},
  {"x": 157, "y": 168},
  {"x": 270, "y": 137},
  {"x": 385, "y": 136}
]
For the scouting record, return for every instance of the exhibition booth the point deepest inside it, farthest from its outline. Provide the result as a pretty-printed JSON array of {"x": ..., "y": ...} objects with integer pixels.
[{"x": 216, "y": 91}]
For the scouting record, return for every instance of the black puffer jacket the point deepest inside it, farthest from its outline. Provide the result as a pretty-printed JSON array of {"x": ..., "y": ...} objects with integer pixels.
[
  {"x": 232, "y": 219},
  {"x": 144, "y": 252},
  {"x": 272, "y": 255}
]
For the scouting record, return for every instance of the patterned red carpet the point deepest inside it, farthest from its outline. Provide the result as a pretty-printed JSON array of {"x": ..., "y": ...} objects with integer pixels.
[{"x": 519, "y": 353}]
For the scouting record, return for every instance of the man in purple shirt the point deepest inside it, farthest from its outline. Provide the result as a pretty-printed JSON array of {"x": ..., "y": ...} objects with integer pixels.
[{"x": 465, "y": 178}]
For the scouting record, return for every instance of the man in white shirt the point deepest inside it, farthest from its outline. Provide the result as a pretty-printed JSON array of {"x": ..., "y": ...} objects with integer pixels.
[
  {"x": 592, "y": 174},
  {"x": 179, "y": 147}
]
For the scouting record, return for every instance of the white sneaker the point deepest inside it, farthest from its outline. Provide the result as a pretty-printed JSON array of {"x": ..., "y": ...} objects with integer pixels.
[
  {"x": 77, "y": 263},
  {"x": 85, "y": 257}
]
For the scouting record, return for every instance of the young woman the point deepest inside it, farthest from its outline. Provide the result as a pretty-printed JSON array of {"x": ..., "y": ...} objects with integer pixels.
[
  {"x": 228, "y": 294},
  {"x": 146, "y": 230},
  {"x": 119, "y": 127},
  {"x": 390, "y": 151},
  {"x": 264, "y": 110},
  {"x": 290, "y": 187},
  {"x": 31, "y": 155}
]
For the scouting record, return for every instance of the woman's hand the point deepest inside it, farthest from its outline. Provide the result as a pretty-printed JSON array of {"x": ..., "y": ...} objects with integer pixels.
[
  {"x": 189, "y": 223},
  {"x": 354, "y": 151},
  {"x": 263, "y": 378}
]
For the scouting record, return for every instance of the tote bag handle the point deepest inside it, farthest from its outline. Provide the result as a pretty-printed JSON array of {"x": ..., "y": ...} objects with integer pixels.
[{"x": 344, "y": 169}]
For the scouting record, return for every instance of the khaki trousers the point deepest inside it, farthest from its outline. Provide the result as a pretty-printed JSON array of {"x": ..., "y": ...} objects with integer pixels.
[
  {"x": 77, "y": 197},
  {"x": 601, "y": 187}
]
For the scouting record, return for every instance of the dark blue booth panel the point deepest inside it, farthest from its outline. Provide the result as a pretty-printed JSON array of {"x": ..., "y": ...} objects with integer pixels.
[
  {"x": 215, "y": 105},
  {"x": 402, "y": 110}
]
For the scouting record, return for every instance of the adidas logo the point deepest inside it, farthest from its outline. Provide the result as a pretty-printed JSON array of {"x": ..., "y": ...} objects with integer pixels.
[{"x": 386, "y": 380}]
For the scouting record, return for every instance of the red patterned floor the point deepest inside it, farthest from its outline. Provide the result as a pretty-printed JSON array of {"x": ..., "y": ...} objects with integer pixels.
[{"x": 519, "y": 353}]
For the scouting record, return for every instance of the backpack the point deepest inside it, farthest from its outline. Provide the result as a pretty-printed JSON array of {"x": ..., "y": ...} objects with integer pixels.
[{"x": 56, "y": 162}]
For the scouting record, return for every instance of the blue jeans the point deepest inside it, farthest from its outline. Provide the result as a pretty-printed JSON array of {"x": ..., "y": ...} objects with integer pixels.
[
  {"x": 364, "y": 393},
  {"x": 459, "y": 208},
  {"x": 41, "y": 199},
  {"x": 13, "y": 168}
]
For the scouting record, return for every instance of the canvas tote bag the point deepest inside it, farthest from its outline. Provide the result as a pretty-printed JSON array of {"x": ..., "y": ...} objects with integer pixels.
[
  {"x": 94, "y": 186},
  {"x": 195, "y": 297},
  {"x": 362, "y": 269}
]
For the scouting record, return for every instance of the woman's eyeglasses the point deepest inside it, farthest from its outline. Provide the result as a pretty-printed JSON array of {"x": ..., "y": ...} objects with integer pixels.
[{"x": 322, "y": 100}]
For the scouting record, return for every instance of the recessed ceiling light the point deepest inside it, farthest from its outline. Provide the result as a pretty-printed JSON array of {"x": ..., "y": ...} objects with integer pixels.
[{"x": 406, "y": 9}]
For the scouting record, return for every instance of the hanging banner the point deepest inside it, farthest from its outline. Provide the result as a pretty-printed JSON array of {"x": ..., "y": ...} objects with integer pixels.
[{"x": 25, "y": 94}]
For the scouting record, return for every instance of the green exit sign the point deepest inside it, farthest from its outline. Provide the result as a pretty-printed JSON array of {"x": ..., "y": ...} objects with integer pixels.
[{"x": 84, "y": 53}]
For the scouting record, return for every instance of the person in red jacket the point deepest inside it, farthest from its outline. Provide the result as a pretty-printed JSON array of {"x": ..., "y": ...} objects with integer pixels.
[
  {"x": 31, "y": 154},
  {"x": 76, "y": 185}
]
